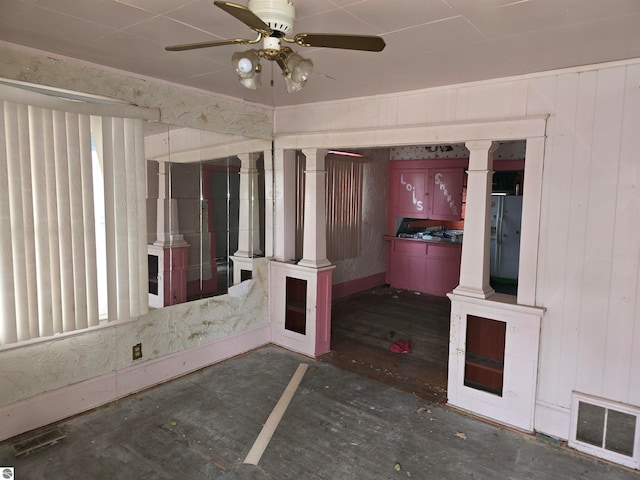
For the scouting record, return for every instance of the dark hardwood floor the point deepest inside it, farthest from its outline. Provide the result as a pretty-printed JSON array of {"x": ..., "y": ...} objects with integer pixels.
[{"x": 365, "y": 325}]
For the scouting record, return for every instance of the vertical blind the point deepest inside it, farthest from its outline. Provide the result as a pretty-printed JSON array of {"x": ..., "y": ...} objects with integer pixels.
[
  {"x": 48, "y": 278},
  {"x": 343, "y": 206}
]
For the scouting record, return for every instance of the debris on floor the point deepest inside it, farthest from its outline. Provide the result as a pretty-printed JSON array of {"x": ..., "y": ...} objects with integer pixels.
[
  {"x": 400, "y": 347},
  {"x": 461, "y": 435}
]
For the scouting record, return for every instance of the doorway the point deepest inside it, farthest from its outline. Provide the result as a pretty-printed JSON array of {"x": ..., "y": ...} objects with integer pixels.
[{"x": 364, "y": 327}]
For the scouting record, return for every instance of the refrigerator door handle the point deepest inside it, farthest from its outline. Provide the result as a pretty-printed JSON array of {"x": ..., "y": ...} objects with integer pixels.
[{"x": 499, "y": 220}]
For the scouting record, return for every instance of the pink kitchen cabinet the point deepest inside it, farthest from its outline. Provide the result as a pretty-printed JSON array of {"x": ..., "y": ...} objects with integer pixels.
[
  {"x": 425, "y": 189},
  {"x": 409, "y": 193},
  {"x": 443, "y": 268},
  {"x": 445, "y": 197},
  {"x": 408, "y": 265},
  {"x": 423, "y": 266}
]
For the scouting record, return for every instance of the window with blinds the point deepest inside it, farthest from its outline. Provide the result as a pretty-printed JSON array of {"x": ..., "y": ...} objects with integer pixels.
[
  {"x": 343, "y": 206},
  {"x": 48, "y": 197}
]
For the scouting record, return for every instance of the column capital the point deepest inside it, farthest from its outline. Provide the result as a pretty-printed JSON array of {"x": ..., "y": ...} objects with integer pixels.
[
  {"x": 483, "y": 145},
  {"x": 481, "y": 154},
  {"x": 315, "y": 158},
  {"x": 319, "y": 152},
  {"x": 249, "y": 161}
]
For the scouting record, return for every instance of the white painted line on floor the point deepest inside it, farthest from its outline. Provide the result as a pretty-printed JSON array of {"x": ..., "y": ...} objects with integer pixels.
[{"x": 259, "y": 446}]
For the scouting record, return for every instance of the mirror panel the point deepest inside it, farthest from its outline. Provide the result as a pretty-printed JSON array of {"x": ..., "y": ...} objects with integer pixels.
[{"x": 205, "y": 204}]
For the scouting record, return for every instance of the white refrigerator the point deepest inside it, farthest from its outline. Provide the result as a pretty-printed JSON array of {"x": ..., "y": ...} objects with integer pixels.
[{"x": 506, "y": 218}]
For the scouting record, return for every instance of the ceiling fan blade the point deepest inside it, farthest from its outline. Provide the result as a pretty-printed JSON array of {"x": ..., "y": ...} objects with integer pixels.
[
  {"x": 368, "y": 43},
  {"x": 246, "y": 16},
  {"x": 213, "y": 43}
]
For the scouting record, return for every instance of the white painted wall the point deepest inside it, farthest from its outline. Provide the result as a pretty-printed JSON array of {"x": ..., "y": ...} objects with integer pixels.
[
  {"x": 590, "y": 237},
  {"x": 589, "y": 245}
]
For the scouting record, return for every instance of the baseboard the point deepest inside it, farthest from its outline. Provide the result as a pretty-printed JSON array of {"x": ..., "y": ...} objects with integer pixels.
[
  {"x": 54, "y": 406},
  {"x": 552, "y": 420},
  {"x": 358, "y": 285}
]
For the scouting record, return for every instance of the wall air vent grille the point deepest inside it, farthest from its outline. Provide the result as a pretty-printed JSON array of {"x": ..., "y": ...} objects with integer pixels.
[{"x": 606, "y": 429}]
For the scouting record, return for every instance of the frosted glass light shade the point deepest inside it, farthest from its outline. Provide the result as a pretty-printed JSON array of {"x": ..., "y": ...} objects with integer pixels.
[
  {"x": 251, "y": 83},
  {"x": 299, "y": 72},
  {"x": 246, "y": 64}
]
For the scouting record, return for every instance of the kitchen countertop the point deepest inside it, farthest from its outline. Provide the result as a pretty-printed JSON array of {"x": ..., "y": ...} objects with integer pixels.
[{"x": 444, "y": 241}]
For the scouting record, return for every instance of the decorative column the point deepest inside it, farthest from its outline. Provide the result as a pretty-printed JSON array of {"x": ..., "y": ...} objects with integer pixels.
[
  {"x": 474, "y": 269},
  {"x": 300, "y": 294},
  {"x": 249, "y": 221},
  {"x": 167, "y": 229},
  {"x": 314, "y": 250},
  {"x": 170, "y": 248},
  {"x": 249, "y": 218},
  {"x": 269, "y": 221},
  {"x": 284, "y": 199}
]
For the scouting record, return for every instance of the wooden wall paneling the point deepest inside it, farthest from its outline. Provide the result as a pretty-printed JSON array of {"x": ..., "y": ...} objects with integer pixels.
[
  {"x": 428, "y": 107},
  {"x": 600, "y": 222},
  {"x": 372, "y": 114},
  {"x": 554, "y": 238},
  {"x": 567, "y": 356},
  {"x": 518, "y": 104},
  {"x": 630, "y": 150},
  {"x": 541, "y": 96},
  {"x": 623, "y": 311},
  {"x": 634, "y": 378},
  {"x": 495, "y": 100}
]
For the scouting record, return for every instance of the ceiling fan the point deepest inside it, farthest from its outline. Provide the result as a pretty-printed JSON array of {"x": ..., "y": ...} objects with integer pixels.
[{"x": 273, "y": 20}]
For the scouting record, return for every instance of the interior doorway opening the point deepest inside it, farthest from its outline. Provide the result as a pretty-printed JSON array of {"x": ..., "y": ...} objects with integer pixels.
[{"x": 365, "y": 326}]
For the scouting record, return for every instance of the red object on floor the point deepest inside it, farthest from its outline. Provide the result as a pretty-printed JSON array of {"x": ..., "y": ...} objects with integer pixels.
[{"x": 400, "y": 347}]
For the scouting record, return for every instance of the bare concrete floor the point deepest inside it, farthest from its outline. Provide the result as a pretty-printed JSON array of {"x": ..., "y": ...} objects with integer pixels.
[{"x": 338, "y": 426}]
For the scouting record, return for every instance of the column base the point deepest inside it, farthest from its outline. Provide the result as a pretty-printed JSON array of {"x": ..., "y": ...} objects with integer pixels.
[
  {"x": 171, "y": 241},
  {"x": 241, "y": 264},
  {"x": 248, "y": 254},
  {"x": 484, "y": 292},
  {"x": 314, "y": 263}
]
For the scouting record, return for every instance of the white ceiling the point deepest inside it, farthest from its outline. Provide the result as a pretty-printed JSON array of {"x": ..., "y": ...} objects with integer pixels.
[{"x": 429, "y": 42}]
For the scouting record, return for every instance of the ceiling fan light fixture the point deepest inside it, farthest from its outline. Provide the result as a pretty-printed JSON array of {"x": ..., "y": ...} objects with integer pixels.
[
  {"x": 291, "y": 85},
  {"x": 246, "y": 64},
  {"x": 299, "y": 67},
  {"x": 251, "y": 83},
  {"x": 298, "y": 71},
  {"x": 278, "y": 14},
  {"x": 273, "y": 21}
]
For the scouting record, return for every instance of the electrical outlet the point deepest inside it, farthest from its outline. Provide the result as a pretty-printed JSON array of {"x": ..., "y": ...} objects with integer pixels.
[{"x": 137, "y": 351}]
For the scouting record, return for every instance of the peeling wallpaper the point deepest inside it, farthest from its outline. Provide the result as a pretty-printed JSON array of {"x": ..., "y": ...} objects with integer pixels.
[
  {"x": 178, "y": 105},
  {"x": 505, "y": 151},
  {"x": 45, "y": 366}
]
